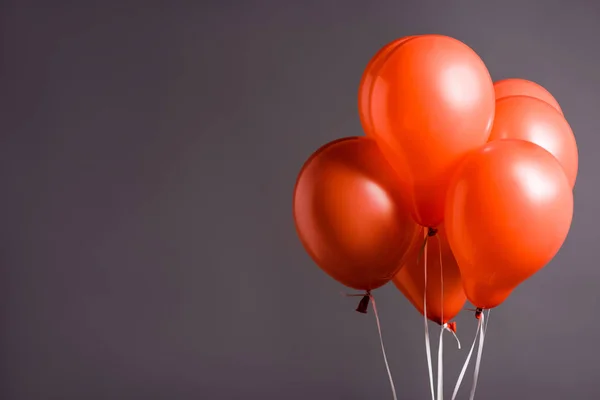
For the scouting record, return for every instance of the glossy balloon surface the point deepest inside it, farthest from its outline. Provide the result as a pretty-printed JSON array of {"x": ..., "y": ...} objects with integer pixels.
[
  {"x": 431, "y": 102},
  {"x": 366, "y": 82},
  {"x": 531, "y": 119},
  {"x": 523, "y": 87},
  {"x": 350, "y": 216},
  {"x": 508, "y": 212}
]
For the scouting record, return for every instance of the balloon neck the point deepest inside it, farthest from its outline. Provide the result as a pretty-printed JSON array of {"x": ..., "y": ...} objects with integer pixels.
[
  {"x": 431, "y": 232},
  {"x": 478, "y": 312},
  {"x": 451, "y": 326},
  {"x": 363, "y": 305}
]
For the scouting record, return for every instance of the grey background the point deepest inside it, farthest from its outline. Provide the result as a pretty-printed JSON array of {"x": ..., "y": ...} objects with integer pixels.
[{"x": 148, "y": 152}]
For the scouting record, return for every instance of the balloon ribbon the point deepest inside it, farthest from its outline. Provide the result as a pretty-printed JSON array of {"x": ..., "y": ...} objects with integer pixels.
[
  {"x": 362, "y": 308},
  {"x": 481, "y": 329},
  {"x": 387, "y": 366},
  {"x": 423, "y": 253},
  {"x": 450, "y": 327}
]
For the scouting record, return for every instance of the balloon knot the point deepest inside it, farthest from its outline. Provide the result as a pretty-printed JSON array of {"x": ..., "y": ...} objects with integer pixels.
[
  {"x": 431, "y": 232},
  {"x": 363, "y": 305},
  {"x": 451, "y": 326},
  {"x": 478, "y": 312}
]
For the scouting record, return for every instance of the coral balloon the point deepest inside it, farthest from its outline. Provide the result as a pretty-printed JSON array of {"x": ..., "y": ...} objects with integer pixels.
[
  {"x": 350, "y": 216},
  {"x": 531, "y": 119},
  {"x": 366, "y": 82},
  {"x": 445, "y": 294},
  {"x": 508, "y": 212},
  {"x": 432, "y": 101},
  {"x": 523, "y": 87}
]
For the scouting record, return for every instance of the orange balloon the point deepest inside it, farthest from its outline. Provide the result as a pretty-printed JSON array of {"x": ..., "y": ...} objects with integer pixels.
[
  {"x": 523, "y": 87},
  {"x": 531, "y": 119},
  {"x": 432, "y": 102},
  {"x": 445, "y": 293},
  {"x": 508, "y": 212},
  {"x": 366, "y": 82},
  {"x": 350, "y": 216}
]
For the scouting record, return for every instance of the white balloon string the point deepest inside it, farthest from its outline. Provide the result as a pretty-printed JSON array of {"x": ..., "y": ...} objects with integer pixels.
[
  {"x": 387, "y": 366},
  {"x": 441, "y": 276},
  {"x": 440, "y": 360},
  {"x": 440, "y": 365},
  {"x": 445, "y": 326},
  {"x": 466, "y": 364},
  {"x": 455, "y": 337},
  {"x": 479, "y": 355},
  {"x": 427, "y": 342}
]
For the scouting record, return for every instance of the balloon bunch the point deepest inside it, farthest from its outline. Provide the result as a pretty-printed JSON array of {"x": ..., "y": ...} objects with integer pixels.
[{"x": 486, "y": 169}]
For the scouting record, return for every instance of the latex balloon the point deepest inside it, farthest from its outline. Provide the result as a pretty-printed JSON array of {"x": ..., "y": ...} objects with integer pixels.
[
  {"x": 531, "y": 119},
  {"x": 432, "y": 102},
  {"x": 445, "y": 294},
  {"x": 523, "y": 87},
  {"x": 349, "y": 214},
  {"x": 366, "y": 82},
  {"x": 508, "y": 212}
]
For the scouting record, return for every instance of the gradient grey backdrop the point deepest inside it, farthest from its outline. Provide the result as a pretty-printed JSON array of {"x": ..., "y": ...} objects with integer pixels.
[{"x": 147, "y": 159}]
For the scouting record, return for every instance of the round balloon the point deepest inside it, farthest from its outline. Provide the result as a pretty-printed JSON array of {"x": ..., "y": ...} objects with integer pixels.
[
  {"x": 508, "y": 212},
  {"x": 350, "y": 216},
  {"x": 432, "y": 102},
  {"x": 523, "y": 87},
  {"x": 531, "y": 119},
  {"x": 366, "y": 82},
  {"x": 445, "y": 294}
]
